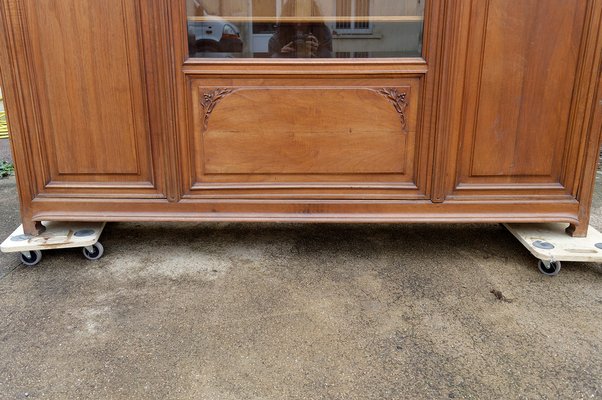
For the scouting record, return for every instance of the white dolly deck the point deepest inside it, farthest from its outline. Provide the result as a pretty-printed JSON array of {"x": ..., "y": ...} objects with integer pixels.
[
  {"x": 551, "y": 245},
  {"x": 58, "y": 235}
]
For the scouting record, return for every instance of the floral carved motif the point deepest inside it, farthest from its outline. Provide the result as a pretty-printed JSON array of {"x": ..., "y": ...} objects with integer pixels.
[
  {"x": 209, "y": 100},
  {"x": 399, "y": 101}
]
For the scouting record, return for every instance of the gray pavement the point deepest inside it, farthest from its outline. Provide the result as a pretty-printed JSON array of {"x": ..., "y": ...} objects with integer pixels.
[
  {"x": 5, "y": 153},
  {"x": 251, "y": 311}
]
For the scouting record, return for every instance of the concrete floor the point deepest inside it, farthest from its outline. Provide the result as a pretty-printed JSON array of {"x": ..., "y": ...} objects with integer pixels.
[
  {"x": 5, "y": 154},
  {"x": 249, "y": 311}
]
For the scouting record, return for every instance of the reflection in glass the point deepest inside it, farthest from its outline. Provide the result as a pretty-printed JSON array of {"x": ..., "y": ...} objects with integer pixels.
[
  {"x": 295, "y": 39},
  {"x": 305, "y": 28}
]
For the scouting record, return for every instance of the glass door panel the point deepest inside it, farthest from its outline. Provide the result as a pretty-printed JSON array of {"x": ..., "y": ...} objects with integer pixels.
[{"x": 305, "y": 28}]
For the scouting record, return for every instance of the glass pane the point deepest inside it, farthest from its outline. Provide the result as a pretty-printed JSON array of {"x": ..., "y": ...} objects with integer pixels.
[{"x": 305, "y": 28}]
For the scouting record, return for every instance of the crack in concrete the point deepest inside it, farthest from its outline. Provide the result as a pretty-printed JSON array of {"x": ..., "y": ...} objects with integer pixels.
[{"x": 10, "y": 271}]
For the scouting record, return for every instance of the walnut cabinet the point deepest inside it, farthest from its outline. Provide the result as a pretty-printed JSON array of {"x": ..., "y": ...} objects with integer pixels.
[{"x": 381, "y": 111}]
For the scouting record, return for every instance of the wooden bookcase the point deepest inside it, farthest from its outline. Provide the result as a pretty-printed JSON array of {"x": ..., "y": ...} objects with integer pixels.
[{"x": 499, "y": 120}]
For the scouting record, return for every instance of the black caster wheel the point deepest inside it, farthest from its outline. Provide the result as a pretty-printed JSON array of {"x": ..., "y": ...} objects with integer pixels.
[
  {"x": 549, "y": 268},
  {"x": 31, "y": 258},
  {"x": 93, "y": 252}
]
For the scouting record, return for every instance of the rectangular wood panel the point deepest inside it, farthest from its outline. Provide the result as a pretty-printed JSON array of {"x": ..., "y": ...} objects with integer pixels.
[
  {"x": 305, "y": 131},
  {"x": 522, "y": 71},
  {"x": 300, "y": 132},
  {"x": 89, "y": 73}
]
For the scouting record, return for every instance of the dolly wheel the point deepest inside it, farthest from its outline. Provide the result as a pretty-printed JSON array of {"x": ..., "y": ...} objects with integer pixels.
[
  {"x": 549, "y": 268},
  {"x": 93, "y": 252},
  {"x": 31, "y": 258}
]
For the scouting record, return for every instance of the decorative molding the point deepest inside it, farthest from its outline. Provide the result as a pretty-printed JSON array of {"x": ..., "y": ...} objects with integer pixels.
[
  {"x": 399, "y": 101},
  {"x": 209, "y": 100}
]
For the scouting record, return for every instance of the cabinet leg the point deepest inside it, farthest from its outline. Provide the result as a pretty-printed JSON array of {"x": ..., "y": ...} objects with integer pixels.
[
  {"x": 577, "y": 230},
  {"x": 33, "y": 228}
]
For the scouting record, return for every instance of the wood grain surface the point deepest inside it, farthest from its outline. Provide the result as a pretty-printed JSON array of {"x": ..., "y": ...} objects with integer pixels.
[{"x": 499, "y": 120}]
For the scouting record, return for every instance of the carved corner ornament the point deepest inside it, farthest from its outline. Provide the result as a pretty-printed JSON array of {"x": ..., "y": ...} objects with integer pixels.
[
  {"x": 211, "y": 99},
  {"x": 399, "y": 101}
]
